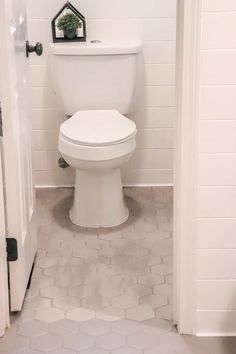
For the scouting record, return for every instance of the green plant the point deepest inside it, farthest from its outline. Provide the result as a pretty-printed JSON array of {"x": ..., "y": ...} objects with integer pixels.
[{"x": 68, "y": 20}]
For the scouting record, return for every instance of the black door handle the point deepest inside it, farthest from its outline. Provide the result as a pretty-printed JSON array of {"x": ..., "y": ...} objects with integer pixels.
[{"x": 38, "y": 49}]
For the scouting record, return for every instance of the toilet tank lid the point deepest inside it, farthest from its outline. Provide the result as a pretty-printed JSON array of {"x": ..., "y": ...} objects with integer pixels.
[{"x": 97, "y": 48}]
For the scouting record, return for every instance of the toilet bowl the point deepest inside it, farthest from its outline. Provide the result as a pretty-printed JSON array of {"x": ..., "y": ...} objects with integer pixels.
[{"x": 97, "y": 143}]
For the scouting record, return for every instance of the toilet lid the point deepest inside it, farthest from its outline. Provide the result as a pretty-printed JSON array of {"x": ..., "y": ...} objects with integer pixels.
[{"x": 98, "y": 128}]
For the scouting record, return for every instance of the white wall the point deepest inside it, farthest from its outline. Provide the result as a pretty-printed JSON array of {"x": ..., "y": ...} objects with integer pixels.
[
  {"x": 153, "y": 21},
  {"x": 216, "y": 243}
]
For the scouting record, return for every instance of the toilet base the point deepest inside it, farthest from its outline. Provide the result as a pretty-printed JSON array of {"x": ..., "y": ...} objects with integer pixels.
[{"x": 98, "y": 199}]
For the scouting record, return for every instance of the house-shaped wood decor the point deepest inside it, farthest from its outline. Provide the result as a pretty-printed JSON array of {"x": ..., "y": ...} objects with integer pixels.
[{"x": 69, "y": 25}]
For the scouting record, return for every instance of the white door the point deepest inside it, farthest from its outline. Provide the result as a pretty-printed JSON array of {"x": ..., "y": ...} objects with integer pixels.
[{"x": 17, "y": 166}]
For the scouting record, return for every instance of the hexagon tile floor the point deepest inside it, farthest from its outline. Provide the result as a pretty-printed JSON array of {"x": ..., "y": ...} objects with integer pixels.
[{"x": 102, "y": 291}]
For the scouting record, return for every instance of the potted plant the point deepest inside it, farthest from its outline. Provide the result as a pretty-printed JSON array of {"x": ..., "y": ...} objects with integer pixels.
[{"x": 69, "y": 24}]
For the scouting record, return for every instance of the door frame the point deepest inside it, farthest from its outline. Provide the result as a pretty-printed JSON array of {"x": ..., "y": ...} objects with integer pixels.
[
  {"x": 4, "y": 295},
  {"x": 189, "y": 17},
  {"x": 185, "y": 195},
  {"x": 4, "y": 292}
]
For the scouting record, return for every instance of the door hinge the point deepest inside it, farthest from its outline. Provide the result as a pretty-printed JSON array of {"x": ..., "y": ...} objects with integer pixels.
[{"x": 12, "y": 250}]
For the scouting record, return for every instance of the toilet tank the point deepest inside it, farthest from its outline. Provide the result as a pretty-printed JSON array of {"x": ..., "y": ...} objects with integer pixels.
[{"x": 93, "y": 76}]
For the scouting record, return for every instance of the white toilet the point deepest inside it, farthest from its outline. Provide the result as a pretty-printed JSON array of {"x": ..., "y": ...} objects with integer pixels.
[{"x": 95, "y": 84}]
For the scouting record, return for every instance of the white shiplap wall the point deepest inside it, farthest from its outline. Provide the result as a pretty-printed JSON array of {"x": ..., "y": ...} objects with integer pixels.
[
  {"x": 153, "y": 22},
  {"x": 216, "y": 254}
]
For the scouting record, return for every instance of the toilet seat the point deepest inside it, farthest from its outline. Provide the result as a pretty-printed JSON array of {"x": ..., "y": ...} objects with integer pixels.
[
  {"x": 98, "y": 128},
  {"x": 94, "y": 153}
]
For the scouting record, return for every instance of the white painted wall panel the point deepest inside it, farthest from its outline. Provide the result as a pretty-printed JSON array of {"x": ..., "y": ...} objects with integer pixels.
[
  {"x": 160, "y": 74},
  {"x": 217, "y": 202},
  {"x": 216, "y": 264},
  {"x": 216, "y": 294},
  {"x": 219, "y": 30},
  {"x": 155, "y": 138},
  {"x": 217, "y": 233},
  {"x": 217, "y": 136},
  {"x": 131, "y": 9},
  {"x": 160, "y": 96},
  {"x": 43, "y": 98},
  {"x": 159, "y": 52},
  {"x": 216, "y": 225},
  {"x": 217, "y": 323},
  {"x": 212, "y": 64},
  {"x": 217, "y": 102},
  {"x": 217, "y": 169},
  {"x": 156, "y": 117},
  {"x": 160, "y": 159},
  {"x": 219, "y": 5},
  {"x": 45, "y": 140},
  {"x": 44, "y": 119}
]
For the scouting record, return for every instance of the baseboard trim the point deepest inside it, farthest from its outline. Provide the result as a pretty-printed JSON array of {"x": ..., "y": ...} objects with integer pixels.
[
  {"x": 216, "y": 334},
  {"x": 149, "y": 185},
  {"x": 54, "y": 186},
  {"x": 125, "y": 185}
]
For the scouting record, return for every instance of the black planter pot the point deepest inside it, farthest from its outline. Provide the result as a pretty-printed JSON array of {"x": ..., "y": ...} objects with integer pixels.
[{"x": 70, "y": 33}]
